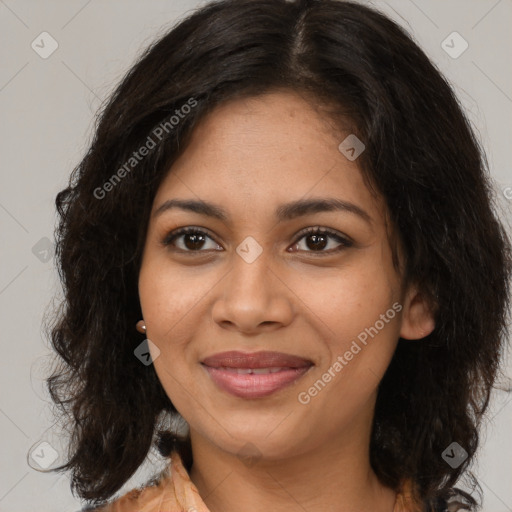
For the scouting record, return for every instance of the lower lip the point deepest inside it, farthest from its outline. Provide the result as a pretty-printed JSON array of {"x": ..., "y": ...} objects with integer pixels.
[{"x": 254, "y": 385}]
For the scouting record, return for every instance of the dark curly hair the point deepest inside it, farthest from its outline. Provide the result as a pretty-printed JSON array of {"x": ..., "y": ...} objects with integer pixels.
[{"x": 421, "y": 156}]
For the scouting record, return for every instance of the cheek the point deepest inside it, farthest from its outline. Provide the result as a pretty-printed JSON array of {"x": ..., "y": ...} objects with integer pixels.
[
  {"x": 169, "y": 297},
  {"x": 167, "y": 301},
  {"x": 349, "y": 299},
  {"x": 347, "y": 313},
  {"x": 360, "y": 330}
]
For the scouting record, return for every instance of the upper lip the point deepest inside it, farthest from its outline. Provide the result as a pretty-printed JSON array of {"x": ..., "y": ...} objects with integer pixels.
[{"x": 236, "y": 359}]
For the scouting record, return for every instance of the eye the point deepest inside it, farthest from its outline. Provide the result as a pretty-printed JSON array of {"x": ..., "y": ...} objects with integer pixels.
[
  {"x": 317, "y": 239},
  {"x": 193, "y": 240}
]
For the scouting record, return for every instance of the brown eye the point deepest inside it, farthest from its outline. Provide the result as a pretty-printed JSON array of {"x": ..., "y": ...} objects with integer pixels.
[
  {"x": 189, "y": 240},
  {"x": 317, "y": 239}
]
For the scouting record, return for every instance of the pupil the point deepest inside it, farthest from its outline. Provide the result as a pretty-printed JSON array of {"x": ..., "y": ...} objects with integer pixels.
[
  {"x": 196, "y": 241},
  {"x": 319, "y": 241}
]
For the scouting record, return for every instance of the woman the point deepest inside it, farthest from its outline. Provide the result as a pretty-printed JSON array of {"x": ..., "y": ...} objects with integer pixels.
[{"x": 282, "y": 233}]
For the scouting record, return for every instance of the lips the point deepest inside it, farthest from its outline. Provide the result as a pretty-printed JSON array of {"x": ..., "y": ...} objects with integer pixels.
[
  {"x": 254, "y": 375},
  {"x": 255, "y": 360}
]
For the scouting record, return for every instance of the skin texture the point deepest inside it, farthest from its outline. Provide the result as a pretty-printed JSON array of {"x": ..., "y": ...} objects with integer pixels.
[{"x": 249, "y": 157}]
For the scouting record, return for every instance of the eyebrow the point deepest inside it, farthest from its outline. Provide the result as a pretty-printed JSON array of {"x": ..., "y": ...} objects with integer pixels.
[{"x": 284, "y": 212}]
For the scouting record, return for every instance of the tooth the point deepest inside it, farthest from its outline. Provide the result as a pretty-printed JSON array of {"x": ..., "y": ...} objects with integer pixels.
[
  {"x": 266, "y": 370},
  {"x": 257, "y": 371}
]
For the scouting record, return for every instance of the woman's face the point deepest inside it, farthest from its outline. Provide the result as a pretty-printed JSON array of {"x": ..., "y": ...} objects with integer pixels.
[{"x": 256, "y": 176}]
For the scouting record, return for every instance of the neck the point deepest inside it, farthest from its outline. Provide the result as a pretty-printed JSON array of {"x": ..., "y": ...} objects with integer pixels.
[{"x": 334, "y": 476}]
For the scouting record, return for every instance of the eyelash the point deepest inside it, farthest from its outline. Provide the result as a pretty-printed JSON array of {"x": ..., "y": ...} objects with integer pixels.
[{"x": 344, "y": 242}]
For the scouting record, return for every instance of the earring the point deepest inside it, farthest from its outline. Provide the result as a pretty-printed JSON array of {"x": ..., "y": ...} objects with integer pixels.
[{"x": 141, "y": 326}]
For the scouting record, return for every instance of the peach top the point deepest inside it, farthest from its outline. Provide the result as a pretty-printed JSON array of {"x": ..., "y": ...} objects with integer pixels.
[{"x": 177, "y": 493}]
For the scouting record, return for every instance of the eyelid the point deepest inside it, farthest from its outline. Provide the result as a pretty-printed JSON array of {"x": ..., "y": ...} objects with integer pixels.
[
  {"x": 315, "y": 230},
  {"x": 176, "y": 233}
]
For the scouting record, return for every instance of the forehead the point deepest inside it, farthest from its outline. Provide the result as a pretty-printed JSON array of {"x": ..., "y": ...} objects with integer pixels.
[{"x": 264, "y": 150}]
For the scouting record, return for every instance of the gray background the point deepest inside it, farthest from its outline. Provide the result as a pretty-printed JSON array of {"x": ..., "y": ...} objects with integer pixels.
[{"x": 47, "y": 108}]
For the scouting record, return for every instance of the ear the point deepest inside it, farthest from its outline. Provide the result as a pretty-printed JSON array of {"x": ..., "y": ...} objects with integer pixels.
[{"x": 417, "y": 317}]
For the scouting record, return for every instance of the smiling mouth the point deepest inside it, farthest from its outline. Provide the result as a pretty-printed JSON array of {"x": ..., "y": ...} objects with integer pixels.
[
  {"x": 255, "y": 375},
  {"x": 254, "y": 371}
]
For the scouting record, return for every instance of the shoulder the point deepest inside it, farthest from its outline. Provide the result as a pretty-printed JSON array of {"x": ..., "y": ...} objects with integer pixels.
[
  {"x": 145, "y": 498},
  {"x": 171, "y": 490},
  {"x": 453, "y": 500}
]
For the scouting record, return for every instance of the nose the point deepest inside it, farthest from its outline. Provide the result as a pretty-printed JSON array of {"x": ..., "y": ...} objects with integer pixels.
[{"x": 253, "y": 298}]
